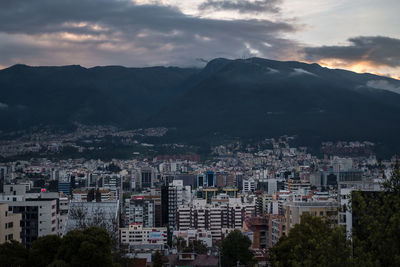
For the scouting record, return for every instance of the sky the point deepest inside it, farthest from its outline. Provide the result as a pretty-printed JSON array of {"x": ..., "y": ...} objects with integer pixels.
[{"x": 359, "y": 35}]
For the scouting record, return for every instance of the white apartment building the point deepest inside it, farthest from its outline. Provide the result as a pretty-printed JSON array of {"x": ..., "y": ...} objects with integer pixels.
[
  {"x": 178, "y": 194},
  {"x": 249, "y": 185},
  {"x": 213, "y": 217},
  {"x": 139, "y": 238}
]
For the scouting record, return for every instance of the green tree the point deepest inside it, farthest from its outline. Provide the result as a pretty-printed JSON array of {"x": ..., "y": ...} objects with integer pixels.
[
  {"x": 89, "y": 247},
  {"x": 13, "y": 254},
  {"x": 158, "y": 259},
  {"x": 376, "y": 224},
  {"x": 313, "y": 242},
  {"x": 44, "y": 250},
  {"x": 235, "y": 248},
  {"x": 180, "y": 243},
  {"x": 199, "y": 247}
]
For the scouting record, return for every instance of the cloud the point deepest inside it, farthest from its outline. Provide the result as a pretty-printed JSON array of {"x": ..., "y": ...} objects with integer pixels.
[
  {"x": 3, "y": 106},
  {"x": 384, "y": 85},
  {"x": 378, "y": 51},
  {"x": 272, "y": 71},
  {"x": 99, "y": 32},
  {"x": 242, "y": 6},
  {"x": 298, "y": 71}
]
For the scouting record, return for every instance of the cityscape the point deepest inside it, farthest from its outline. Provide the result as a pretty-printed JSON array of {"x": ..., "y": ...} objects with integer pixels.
[
  {"x": 169, "y": 202},
  {"x": 199, "y": 133}
]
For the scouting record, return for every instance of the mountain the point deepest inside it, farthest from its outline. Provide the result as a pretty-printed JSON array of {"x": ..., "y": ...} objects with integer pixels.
[
  {"x": 260, "y": 98},
  {"x": 61, "y": 96},
  {"x": 249, "y": 98}
]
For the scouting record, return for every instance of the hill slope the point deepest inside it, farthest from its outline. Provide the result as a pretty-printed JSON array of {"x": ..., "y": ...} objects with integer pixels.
[
  {"x": 239, "y": 98},
  {"x": 60, "y": 96},
  {"x": 258, "y": 97}
]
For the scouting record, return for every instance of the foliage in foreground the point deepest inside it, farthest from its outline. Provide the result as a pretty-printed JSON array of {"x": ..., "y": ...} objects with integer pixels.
[
  {"x": 376, "y": 224},
  {"x": 313, "y": 242},
  {"x": 89, "y": 247},
  {"x": 375, "y": 235},
  {"x": 235, "y": 248}
]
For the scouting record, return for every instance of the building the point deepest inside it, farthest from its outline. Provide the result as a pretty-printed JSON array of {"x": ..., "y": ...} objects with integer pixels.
[
  {"x": 10, "y": 228},
  {"x": 298, "y": 186},
  {"x": 276, "y": 229},
  {"x": 138, "y": 237},
  {"x": 210, "y": 178},
  {"x": 195, "y": 234},
  {"x": 177, "y": 195},
  {"x": 65, "y": 188},
  {"x": 39, "y": 217},
  {"x": 224, "y": 213},
  {"x": 112, "y": 183},
  {"x": 99, "y": 214},
  {"x": 249, "y": 185},
  {"x": 101, "y": 194},
  {"x": 146, "y": 179},
  {"x": 294, "y": 210},
  {"x": 143, "y": 209},
  {"x": 192, "y": 259},
  {"x": 201, "y": 180}
]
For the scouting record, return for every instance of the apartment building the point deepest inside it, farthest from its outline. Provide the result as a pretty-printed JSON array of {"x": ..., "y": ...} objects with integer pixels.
[
  {"x": 138, "y": 237},
  {"x": 10, "y": 228},
  {"x": 294, "y": 210},
  {"x": 215, "y": 216},
  {"x": 144, "y": 209},
  {"x": 39, "y": 217}
]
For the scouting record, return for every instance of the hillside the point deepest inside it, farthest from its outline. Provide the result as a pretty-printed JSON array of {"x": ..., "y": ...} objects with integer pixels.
[
  {"x": 249, "y": 98},
  {"x": 61, "y": 96},
  {"x": 258, "y": 97}
]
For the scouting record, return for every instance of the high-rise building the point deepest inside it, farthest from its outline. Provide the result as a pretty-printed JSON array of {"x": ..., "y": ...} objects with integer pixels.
[
  {"x": 146, "y": 178},
  {"x": 249, "y": 185},
  {"x": 177, "y": 195},
  {"x": 39, "y": 218},
  {"x": 143, "y": 209},
  {"x": 10, "y": 228},
  {"x": 210, "y": 178},
  {"x": 201, "y": 180},
  {"x": 65, "y": 188},
  {"x": 214, "y": 217}
]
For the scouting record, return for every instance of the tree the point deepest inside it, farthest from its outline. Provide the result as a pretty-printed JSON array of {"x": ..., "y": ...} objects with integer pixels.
[
  {"x": 13, "y": 254},
  {"x": 90, "y": 247},
  {"x": 235, "y": 248},
  {"x": 376, "y": 224},
  {"x": 313, "y": 242},
  {"x": 44, "y": 250},
  {"x": 198, "y": 247},
  {"x": 158, "y": 259},
  {"x": 180, "y": 243}
]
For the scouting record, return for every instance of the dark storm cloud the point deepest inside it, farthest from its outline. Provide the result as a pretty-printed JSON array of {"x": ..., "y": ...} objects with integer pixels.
[
  {"x": 242, "y": 6},
  {"x": 380, "y": 51},
  {"x": 122, "y": 32}
]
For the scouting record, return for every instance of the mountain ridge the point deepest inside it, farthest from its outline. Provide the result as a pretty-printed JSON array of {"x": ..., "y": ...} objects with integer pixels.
[{"x": 248, "y": 98}]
